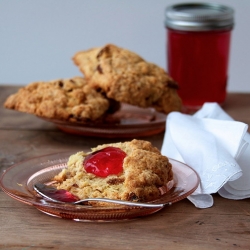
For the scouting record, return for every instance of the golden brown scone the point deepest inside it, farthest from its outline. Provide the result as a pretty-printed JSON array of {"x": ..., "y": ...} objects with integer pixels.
[
  {"x": 64, "y": 99},
  {"x": 145, "y": 173},
  {"x": 126, "y": 77}
]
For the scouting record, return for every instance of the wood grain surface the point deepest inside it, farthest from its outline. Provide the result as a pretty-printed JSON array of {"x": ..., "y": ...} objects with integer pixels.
[{"x": 226, "y": 225}]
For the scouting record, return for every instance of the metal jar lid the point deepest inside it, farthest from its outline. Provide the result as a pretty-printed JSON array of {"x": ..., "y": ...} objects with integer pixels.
[{"x": 199, "y": 17}]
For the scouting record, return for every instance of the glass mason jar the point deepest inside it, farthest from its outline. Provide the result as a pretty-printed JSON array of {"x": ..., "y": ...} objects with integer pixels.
[{"x": 198, "y": 46}]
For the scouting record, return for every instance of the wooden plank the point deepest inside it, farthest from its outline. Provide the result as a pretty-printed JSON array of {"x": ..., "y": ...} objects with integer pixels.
[
  {"x": 226, "y": 225},
  {"x": 181, "y": 226}
]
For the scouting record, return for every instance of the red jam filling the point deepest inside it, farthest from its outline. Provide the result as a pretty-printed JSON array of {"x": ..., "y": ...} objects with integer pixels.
[
  {"x": 104, "y": 162},
  {"x": 62, "y": 195}
]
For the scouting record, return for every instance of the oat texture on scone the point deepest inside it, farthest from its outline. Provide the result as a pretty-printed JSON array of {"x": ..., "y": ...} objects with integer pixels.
[
  {"x": 145, "y": 171},
  {"x": 127, "y": 77},
  {"x": 71, "y": 100}
]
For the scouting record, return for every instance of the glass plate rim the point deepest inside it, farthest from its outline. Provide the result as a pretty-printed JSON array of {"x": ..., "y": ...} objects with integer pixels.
[
  {"x": 134, "y": 121},
  {"x": 41, "y": 204},
  {"x": 160, "y": 121}
]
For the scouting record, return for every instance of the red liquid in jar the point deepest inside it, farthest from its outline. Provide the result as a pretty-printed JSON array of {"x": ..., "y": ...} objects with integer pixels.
[
  {"x": 198, "y": 61},
  {"x": 105, "y": 162}
]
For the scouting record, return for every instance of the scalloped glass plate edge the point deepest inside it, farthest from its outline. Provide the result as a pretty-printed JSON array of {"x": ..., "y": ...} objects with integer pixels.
[
  {"x": 133, "y": 121},
  {"x": 16, "y": 183}
]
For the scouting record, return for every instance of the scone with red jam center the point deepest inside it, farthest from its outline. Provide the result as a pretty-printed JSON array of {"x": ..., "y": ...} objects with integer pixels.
[{"x": 132, "y": 171}]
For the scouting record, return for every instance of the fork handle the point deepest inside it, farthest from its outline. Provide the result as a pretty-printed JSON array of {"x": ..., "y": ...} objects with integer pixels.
[{"x": 127, "y": 203}]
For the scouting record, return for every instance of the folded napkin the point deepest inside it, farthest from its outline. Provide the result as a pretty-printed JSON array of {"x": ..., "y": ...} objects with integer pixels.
[{"x": 216, "y": 147}]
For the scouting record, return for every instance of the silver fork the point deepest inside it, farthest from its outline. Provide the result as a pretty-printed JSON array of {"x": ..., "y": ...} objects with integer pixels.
[{"x": 45, "y": 190}]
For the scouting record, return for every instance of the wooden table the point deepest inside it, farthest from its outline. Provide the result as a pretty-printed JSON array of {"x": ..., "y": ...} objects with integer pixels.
[{"x": 226, "y": 225}]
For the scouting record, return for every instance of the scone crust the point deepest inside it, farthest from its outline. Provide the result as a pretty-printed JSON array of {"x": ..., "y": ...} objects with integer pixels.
[
  {"x": 145, "y": 170},
  {"x": 126, "y": 77},
  {"x": 71, "y": 100}
]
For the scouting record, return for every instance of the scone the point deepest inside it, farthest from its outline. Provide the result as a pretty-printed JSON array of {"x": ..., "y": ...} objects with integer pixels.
[
  {"x": 132, "y": 171},
  {"x": 126, "y": 77},
  {"x": 71, "y": 100}
]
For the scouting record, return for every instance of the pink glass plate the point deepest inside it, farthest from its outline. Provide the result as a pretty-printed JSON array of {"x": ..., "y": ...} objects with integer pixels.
[
  {"x": 18, "y": 180},
  {"x": 128, "y": 122}
]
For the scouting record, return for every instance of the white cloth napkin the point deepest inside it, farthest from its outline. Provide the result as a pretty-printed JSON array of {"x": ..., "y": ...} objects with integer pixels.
[{"x": 216, "y": 147}]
